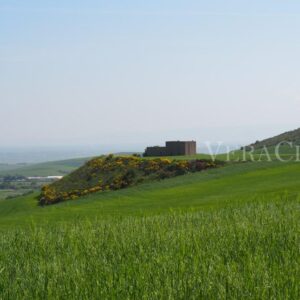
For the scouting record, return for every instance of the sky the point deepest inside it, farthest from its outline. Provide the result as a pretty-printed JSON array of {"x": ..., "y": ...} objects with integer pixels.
[{"x": 137, "y": 73}]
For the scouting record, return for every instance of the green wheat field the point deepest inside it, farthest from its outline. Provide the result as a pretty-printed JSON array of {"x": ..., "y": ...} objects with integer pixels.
[{"x": 226, "y": 233}]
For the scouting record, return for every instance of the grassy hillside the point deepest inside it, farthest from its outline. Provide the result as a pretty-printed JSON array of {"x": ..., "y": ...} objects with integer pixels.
[
  {"x": 290, "y": 136},
  {"x": 10, "y": 193},
  {"x": 230, "y": 185},
  {"x": 227, "y": 233},
  {"x": 42, "y": 169},
  {"x": 110, "y": 172}
]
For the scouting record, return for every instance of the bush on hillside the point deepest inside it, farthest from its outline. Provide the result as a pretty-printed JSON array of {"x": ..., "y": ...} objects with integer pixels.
[{"x": 114, "y": 173}]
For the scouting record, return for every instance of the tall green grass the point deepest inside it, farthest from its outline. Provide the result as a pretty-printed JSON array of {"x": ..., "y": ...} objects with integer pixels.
[{"x": 245, "y": 252}]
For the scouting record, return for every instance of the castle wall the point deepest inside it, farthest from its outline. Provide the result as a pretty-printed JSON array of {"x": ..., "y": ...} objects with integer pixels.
[
  {"x": 156, "y": 151},
  {"x": 173, "y": 148}
]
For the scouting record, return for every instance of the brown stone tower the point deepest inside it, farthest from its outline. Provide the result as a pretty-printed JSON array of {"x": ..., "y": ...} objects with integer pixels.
[{"x": 181, "y": 148}]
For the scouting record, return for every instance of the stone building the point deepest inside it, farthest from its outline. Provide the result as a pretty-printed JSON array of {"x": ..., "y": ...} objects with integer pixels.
[{"x": 173, "y": 148}]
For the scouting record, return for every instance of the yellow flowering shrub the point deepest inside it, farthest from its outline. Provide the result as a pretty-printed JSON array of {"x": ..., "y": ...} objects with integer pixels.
[{"x": 112, "y": 173}]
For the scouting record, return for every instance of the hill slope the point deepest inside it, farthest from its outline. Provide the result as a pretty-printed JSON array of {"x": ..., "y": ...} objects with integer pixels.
[
  {"x": 117, "y": 172},
  {"x": 289, "y": 136},
  {"x": 230, "y": 185}
]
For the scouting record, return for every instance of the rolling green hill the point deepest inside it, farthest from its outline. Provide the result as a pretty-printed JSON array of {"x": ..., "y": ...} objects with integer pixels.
[
  {"x": 231, "y": 185},
  {"x": 290, "y": 136},
  {"x": 118, "y": 172}
]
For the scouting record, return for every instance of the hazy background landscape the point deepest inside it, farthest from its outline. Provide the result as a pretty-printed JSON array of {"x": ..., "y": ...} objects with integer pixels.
[
  {"x": 216, "y": 139},
  {"x": 29, "y": 155}
]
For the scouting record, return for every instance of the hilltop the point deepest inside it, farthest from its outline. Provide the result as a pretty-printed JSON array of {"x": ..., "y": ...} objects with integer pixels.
[
  {"x": 117, "y": 172},
  {"x": 289, "y": 136}
]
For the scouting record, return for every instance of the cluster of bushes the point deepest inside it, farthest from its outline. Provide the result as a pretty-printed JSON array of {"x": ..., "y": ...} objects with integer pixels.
[{"x": 114, "y": 173}]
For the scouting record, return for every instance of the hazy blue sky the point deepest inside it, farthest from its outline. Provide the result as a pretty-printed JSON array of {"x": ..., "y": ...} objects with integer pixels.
[{"x": 139, "y": 72}]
